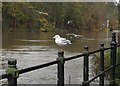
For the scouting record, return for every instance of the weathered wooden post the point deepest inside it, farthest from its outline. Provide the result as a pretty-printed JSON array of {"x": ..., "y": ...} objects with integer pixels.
[
  {"x": 60, "y": 68},
  {"x": 12, "y": 72},
  {"x": 101, "y": 81},
  {"x": 85, "y": 67},
  {"x": 113, "y": 59}
]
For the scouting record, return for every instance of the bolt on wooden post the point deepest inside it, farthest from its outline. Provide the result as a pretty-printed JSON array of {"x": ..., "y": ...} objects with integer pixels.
[
  {"x": 12, "y": 72},
  {"x": 60, "y": 69}
]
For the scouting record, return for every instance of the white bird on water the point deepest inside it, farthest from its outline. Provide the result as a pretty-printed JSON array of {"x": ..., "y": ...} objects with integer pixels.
[{"x": 61, "y": 41}]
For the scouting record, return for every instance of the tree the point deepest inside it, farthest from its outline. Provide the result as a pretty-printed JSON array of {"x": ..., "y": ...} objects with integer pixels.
[
  {"x": 119, "y": 32},
  {"x": 84, "y": 16}
]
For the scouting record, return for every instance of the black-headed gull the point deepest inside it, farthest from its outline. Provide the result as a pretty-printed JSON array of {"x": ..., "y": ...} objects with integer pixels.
[{"x": 61, "y": 41}]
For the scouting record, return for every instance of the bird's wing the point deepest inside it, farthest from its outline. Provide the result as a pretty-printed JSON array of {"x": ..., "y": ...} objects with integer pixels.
[{"x": 63, "y": 40}]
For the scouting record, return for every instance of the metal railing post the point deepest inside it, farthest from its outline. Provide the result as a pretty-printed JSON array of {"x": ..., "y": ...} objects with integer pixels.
[
  {"x": 85, "y": 67},
  {"x": 101, "y": 79},
  {"x": 113, "y": 59},
  {"x": 60, "y": 69},
  {"x": 12, "y": 72}
]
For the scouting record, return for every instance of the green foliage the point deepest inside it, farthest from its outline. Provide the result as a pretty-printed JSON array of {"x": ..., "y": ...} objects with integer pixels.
[
  {"x": 96, "y": 63},
  {"x": 88, "y": 16}
]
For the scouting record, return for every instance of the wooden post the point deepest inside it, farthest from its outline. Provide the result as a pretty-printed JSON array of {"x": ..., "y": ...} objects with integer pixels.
[
  {"x": 101, "y": 81},
  {"x": 85, "y": 67},
  {"x": 60, "y": 68},
  {"x": 12, "y": 72},
  {"x": 113, "y": 59}
]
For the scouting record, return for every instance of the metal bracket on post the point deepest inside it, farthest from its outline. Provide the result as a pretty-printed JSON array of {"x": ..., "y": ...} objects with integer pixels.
[{"x": 12, "y": 72}]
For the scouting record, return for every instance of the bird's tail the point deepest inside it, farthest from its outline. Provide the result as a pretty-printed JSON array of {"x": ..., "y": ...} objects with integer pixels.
[{"x": 69, "y": 42}]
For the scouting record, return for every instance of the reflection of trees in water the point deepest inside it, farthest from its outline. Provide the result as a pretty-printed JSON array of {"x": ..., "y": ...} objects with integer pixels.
[{"x": 8, "y": 39}]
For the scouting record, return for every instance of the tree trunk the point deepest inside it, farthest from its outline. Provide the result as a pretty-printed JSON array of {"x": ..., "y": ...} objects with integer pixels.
[
  {"x": 119, "y": 37},
  {"x": 14, "y": 22}
]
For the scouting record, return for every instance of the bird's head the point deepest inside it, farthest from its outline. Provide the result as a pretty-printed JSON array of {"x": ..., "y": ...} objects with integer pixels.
[{"x": 56, "y": 36}]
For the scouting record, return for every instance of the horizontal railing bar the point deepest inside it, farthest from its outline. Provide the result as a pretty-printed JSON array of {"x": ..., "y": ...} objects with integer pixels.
[
  {"x": 74, "y": 57},
  {"x": 99, "y": 50},
  {"x": 77, "y": 56},
  {"x": 92, "y": 52},
  {"x": 101, "y": 73},
  {"x": 52, "y": 63},
  {"x": 3, "y": 76},
  {"x": 118, "y": 45},
  {"x": 46, "y": 64},
  {"x": 107, "y": 48},
  {"x": 37, "y": 67}
]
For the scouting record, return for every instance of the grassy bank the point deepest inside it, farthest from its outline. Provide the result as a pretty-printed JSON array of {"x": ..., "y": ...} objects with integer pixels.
[{"x": 96, "y": 64}]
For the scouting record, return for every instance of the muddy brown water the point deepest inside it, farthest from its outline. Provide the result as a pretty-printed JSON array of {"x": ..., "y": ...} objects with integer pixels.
[{"x": 32, "y": 48}]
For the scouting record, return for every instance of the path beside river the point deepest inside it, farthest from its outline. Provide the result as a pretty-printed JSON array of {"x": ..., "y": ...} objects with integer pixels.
[{"x": 48, "y": 75}]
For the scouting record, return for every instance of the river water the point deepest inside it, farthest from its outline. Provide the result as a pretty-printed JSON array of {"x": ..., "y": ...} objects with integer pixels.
[{"x": 32, "y": 48}]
